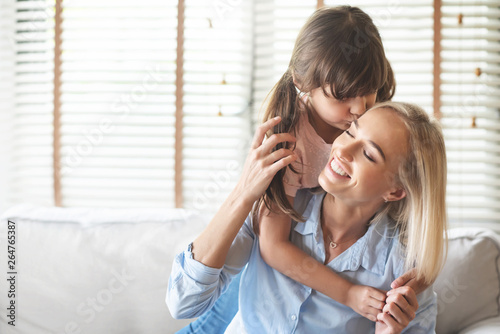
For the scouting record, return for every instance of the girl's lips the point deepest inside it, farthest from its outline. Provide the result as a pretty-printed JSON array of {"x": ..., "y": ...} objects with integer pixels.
[{"x": 338, "y": 171}]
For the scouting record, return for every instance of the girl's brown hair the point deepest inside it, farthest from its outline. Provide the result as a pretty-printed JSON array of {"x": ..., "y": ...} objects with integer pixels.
[{"x": 340, "y": 50}]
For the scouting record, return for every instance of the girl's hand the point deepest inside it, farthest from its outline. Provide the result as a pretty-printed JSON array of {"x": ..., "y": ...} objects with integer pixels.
[
  {"x": 366, "y": 300},
  {"x": 400, "y": 308},
  {"x": 409, "y": 278},
  {"x": 262, "y": 163}
]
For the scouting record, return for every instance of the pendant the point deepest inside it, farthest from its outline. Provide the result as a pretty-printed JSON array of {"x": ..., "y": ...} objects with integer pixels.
[{"x": 333, "y": 245}]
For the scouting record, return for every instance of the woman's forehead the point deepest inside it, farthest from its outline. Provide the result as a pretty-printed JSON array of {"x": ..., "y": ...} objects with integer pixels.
[{"x": 384, "y": 127}]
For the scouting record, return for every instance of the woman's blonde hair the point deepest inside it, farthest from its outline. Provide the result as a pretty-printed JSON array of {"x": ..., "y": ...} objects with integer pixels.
[
  {"x": 421, "y": 215},
  {"x": 338, "y": 48}
]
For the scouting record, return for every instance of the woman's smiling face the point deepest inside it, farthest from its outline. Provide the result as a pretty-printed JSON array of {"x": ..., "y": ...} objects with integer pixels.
[{"x": 365, "y": 159}]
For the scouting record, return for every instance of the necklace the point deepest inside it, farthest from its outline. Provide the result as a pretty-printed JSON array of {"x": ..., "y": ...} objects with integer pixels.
[{"x": 334, "y": 244}]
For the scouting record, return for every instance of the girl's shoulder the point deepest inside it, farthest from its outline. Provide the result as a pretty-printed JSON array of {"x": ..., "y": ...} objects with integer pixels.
[{"x": 304, "y": 130}]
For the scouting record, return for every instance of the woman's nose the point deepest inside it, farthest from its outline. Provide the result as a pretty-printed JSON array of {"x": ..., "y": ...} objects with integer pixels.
[{"x": 344, "y": 153}]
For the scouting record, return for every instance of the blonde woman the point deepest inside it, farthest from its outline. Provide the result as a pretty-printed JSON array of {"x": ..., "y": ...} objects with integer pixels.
[{"x": 384, "y": 192}]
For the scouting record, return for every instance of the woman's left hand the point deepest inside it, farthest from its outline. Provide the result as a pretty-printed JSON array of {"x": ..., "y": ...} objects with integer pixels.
[
  {"x": 409, "y": 278},
  {"x": 400, "y": 308}
]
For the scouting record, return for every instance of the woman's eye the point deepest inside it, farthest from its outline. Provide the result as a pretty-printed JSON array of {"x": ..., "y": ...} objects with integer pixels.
[
  {"x": 349, "y": 134},
  {"x": 368, "y": 157}
]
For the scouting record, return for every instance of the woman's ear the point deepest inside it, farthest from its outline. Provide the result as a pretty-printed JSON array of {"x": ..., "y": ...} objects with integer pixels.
[{"x": 395, "y": 195}]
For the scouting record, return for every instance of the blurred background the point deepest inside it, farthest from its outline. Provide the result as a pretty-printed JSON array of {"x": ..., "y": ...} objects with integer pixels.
[{"x": 151, "y": 103}]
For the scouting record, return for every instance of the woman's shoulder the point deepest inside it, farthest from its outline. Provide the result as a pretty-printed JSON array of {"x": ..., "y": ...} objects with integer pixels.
[
  {"x": 306, "y": 199},
  {"x": 386, "y": 245}
]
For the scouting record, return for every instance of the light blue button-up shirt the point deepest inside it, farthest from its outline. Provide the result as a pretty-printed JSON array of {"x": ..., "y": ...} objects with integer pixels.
[{"x": 270, "y": 302}]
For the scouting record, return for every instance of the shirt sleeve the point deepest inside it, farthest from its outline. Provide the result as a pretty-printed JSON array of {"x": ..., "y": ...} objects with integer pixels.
[
  {"x": 425, "y": 318},
  {"x": 193, "y": 287}
]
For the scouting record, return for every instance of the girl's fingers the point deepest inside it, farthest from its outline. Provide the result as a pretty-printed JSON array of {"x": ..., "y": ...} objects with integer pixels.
[
  {"x": 262, "y": 129},
  {"x": 376, "y": 304},
  {"x": 378, "y": 294},
  {"x": 372, "y": 312},
  {"x": 274, "y": 140},
  {"x": 371, "y": 316}
]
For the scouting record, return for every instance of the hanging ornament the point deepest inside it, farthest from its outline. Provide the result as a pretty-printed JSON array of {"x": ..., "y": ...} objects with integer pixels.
[
  {"x": 460, "y": 18},
  {"x": 223, "y": 82},
  {"x": 478, "y": 71},
  {"x": 473, "y": 124},
  {"x": 220, "y": 112}
]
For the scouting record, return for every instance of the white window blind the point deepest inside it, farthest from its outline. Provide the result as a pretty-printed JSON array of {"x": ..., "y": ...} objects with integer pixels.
[
  {"x": 7, "y": 91},
  {"x": 217, "y": 94},
  {"x": 471, "y": 108},
  {"x": 277, "y": 24},
  {"x": 31, "y": 164},
  {"x": 118, "y": 102}
]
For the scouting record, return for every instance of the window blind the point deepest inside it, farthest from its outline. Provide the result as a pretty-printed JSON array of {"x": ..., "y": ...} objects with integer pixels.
[
  {"x": 217, "y": 93},
  {"x": 277, "y": 24},
  {"x": 31, "y": 146},
  {"x": 7, "y": 91},
  {"x": 470, "y": 108},
  {"x": 118, "y": 103},
  {"x": 118, "y": 94}
]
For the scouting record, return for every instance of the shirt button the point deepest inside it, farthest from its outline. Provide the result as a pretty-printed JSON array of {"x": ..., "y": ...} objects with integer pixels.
[{"x": 294, "y": 317}]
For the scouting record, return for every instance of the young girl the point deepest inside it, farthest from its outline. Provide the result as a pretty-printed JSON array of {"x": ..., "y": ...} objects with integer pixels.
[{"x": 339, "y": 67}]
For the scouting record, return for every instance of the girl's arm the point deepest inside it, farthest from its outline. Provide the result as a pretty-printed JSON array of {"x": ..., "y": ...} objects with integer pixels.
[{"x": 279, "y": 253}]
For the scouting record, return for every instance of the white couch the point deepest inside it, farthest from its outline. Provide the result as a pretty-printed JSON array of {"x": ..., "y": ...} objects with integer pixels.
[{"x": 106, "y": 271}]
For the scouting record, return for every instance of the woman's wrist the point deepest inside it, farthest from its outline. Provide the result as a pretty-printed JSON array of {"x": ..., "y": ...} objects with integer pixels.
[{"x": 240, "y": 196}]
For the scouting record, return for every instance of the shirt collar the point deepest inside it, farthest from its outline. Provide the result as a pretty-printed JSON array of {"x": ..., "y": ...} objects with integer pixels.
[{"x": 369, "y": 252}]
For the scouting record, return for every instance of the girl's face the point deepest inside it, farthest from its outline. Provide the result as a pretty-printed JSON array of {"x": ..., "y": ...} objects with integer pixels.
[
  {"x": 364, "y": 159},
  {"x": 339, "y": 114}
]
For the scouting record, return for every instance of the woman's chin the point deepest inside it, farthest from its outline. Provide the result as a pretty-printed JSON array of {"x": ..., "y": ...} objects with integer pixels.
[{"x": 325, "y": 183}]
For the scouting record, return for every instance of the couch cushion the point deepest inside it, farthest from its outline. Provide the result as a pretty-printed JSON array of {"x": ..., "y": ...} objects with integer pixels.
[
  {"x": 468, "y": 288},
  {"x": 487, "y": 326},
  {"x": 94, "y": 270}
]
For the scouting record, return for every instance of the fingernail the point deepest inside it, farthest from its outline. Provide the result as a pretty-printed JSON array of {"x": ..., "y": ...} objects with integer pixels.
[{"x": 277, "y": 117}]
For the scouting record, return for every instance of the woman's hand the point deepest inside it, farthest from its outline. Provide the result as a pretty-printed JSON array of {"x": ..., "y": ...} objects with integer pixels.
[
  {"x": 400, "y": 308},
  {"x": 213, "y": 244},
  {"x": 366, "y": 300},
  {"x": 409, "y": 278},
  {"x": 262, "y": 163}
]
